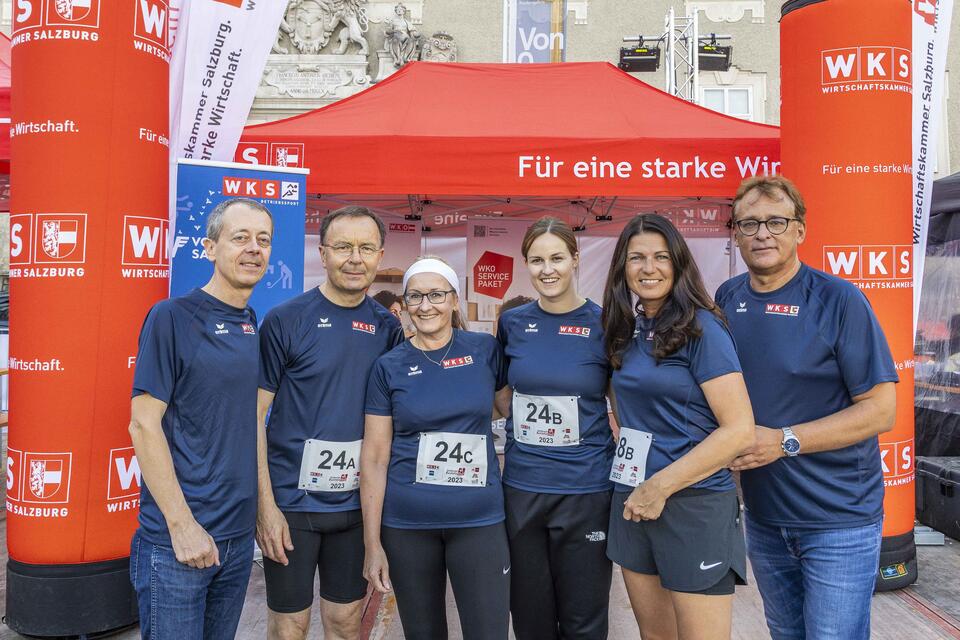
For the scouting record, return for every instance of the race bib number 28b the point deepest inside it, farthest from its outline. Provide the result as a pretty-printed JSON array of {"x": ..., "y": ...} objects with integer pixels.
[
  {"x": 630, "y": 457},
  {"x": 330, "y": 466},
  {"x": 453, "y": 459}
]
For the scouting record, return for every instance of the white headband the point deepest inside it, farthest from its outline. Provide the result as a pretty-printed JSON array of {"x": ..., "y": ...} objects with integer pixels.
[{"x": 432, "y": 265}]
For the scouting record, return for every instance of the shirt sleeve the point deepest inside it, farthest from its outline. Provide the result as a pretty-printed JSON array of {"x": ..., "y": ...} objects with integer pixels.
[
  {"x": 156, "y": 369},
  {"x": 714, "y": 353},
  {"x": 273, "y": 353},
  {"x": 498, "y": 364},
  {"x": 395, "y": 327},
  {"x": 378, "y": 401},
  {"x": 862, "y": 351},
  {"x": 502, "y": 333}
]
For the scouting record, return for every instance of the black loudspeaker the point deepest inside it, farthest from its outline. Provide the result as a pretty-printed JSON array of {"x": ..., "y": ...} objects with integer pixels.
[
  {"x": 713, "y": 57},
  {"x": 642, "y": 58}
]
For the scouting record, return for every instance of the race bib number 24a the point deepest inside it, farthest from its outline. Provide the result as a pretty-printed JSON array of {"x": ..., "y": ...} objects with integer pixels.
[{"x": 330, "y": 466}]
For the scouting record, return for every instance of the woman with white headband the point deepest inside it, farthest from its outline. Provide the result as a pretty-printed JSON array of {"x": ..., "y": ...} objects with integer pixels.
[{"x": 429, "y": 477}]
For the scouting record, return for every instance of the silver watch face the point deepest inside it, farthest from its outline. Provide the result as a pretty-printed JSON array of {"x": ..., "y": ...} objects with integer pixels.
[{"x": 791, "y": 446}]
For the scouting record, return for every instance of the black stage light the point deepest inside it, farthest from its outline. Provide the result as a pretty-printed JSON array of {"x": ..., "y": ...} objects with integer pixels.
[
  {"x": 640, "y": 58},
  {"x": 713, "y": 57}
]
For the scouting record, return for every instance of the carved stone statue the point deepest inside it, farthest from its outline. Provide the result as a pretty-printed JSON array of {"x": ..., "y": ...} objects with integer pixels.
[
  {"x": 310, "y": 23},
  {"x": 441, "y": 47},
  {"x": 354, "y": 18},
  {"x": 402, "y": 38}
]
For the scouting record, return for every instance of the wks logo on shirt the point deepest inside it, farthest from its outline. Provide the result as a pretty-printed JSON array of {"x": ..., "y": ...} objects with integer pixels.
[
  {"x": 452, "y": 363},
  {"x": 364, "y": 327},
  {"x": 791, "y": 310},
  {"x": 567, "y": 330}
]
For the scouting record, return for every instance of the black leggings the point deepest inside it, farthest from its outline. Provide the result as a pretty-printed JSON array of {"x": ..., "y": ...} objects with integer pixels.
[
  {"x": 561, "y": 574},
  {"x": 478, "y": 561}
]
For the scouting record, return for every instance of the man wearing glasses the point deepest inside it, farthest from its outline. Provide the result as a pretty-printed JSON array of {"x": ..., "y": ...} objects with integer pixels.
[
  {"x": 316, "y": 353},
  {"x": 821, "y": 381}
]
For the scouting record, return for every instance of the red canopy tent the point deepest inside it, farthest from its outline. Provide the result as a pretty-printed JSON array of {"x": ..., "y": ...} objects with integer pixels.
[{"x": 478, "y": 129}]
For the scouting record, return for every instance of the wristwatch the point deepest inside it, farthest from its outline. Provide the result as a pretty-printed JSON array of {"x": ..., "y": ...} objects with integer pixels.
[{"x": 790, "y": 444}]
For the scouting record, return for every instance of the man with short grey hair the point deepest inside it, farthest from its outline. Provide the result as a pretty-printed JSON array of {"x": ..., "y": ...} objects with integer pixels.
[{"x": 193, "y": 425}]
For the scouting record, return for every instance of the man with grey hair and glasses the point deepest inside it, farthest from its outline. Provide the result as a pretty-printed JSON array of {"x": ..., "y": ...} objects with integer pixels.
[
  {"x": 194, "y": 427},
  {"x": 317, "y": 350},
  {"x": 821, "y": 381}
]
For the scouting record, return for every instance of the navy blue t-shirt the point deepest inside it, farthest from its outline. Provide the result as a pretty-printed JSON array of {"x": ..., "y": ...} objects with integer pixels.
[
  {"x": 316, "y": 357},
  {"x": 551, "y": 354},
  {"x": 666, "y": 400},
  {"x": 807, "y": 349},
  {"x": 454, "y": 397},
  {"x": 199, "y": 355}
]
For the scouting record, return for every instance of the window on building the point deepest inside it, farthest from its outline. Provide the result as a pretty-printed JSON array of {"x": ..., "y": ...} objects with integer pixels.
[{"x": 733, "y": 101}]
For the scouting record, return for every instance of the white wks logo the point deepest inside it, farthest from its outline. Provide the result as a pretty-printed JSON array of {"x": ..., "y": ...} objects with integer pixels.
[
  {"x": 583, "y": 332},
  {"x": 415, "y": 370},
  {"x": 531, "y": 328},
  {"x": 742, "y": 307},
  {"x": 364, "y": 327},
  {"x": 324, "y": 323},
  {"x": 869, "y": 262},
  {"x": 123, "y": 481},
  {"x": 124, "y": 474},
  {"x": 151, "y": 30},
  {"x": 783, "y": 310},
  {"x": 221, "y": 328},
  {"x": 145, "y": 241},
  {"x": 248, "y": 329},
  {"x": 866, "y": 68}
]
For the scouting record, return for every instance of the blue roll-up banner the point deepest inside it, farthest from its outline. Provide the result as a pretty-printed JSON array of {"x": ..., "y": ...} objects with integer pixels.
[{"x": 201, "y": 186}]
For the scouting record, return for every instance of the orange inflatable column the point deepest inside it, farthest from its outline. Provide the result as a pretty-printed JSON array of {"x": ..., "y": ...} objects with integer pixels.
[
  {"x": 88, "y": 257},
  {"x": 846, "y": 141}
]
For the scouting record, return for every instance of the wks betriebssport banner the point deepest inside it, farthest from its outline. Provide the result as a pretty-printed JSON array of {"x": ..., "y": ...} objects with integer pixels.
[{"x": 201, "y": 186}]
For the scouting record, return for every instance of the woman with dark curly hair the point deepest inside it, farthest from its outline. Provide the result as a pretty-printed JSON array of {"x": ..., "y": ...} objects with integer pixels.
[{"x": 684, "y": 415}]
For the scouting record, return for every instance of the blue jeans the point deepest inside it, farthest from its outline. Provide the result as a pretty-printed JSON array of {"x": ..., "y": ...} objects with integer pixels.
[
  {"x": 177, "y": 601},
  {"x": 816, "y": 584}
]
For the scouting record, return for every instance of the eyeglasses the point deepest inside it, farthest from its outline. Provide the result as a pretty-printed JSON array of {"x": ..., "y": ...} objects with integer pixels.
[
  {"x": 775, "y": 225},
  {"x": 345, "y": 250},
  {"x": 434, "y": 297}
]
